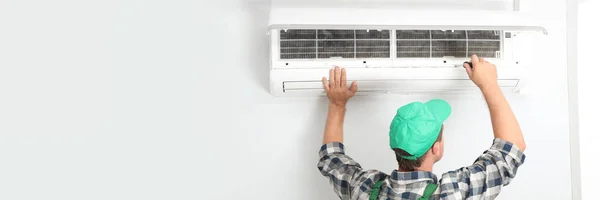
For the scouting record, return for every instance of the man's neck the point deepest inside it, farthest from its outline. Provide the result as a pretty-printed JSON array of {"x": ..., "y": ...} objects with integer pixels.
[
  {"x": 427, "y": 166},
  {"x": 428, "y": 169}
]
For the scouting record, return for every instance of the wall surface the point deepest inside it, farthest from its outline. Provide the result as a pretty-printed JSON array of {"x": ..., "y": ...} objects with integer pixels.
[
  {"x": 157, "y": 99},
  {"x": 413, "y": 4},
  {"x": 589, "y": 108}
]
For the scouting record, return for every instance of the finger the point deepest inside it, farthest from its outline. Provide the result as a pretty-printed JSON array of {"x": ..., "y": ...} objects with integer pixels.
[
  {"x": 468, "y": 69},
  {"x": 343, "y": 79},
  {"x": 482, "y": 60},
  {"x": 354, "y": 87},
  {"x": 474, "y": 59},
  {"x": 338, "y": 76},
  {"x": 331, "y": 79},
  {"x": 325, "y": 84}
]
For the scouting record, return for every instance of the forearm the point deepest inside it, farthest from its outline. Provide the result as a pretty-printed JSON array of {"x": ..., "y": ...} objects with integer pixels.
[
  {"x": 504, "y": 122},
  {"x": 335, "y": 124}
]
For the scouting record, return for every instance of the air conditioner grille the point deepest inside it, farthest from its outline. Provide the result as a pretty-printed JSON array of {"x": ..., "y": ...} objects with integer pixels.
[
  {"x": 325, "y": 44},
  {"x": 441, "y": 48},
  {"x": 413, "y": 34},
  {"x": 351, "y": 44},
  {"x": 486, "y": 49},
  {"x": 413, "y": 48},
  {"x": 443, "y": 35},
  {"x": 456, "y": 43}
]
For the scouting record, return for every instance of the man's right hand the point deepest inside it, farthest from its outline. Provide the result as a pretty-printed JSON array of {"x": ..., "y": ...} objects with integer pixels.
[{"x": 483, "y": 73}]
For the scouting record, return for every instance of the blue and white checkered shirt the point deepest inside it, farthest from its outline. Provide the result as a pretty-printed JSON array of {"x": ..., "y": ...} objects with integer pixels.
[{"x": 495, "y": 168}]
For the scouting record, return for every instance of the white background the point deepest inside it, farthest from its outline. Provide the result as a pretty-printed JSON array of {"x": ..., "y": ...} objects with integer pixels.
[{"x": 169, "y": 100}]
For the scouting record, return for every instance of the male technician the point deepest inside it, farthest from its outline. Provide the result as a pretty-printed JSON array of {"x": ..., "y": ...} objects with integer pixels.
[{"x": 416, "y": 137}]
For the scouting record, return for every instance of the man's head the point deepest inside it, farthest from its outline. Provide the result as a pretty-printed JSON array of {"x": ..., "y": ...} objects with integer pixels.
[{"x": 416, "y": 133}]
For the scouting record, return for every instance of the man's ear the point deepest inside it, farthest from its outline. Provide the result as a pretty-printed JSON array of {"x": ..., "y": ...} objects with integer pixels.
[{"x": 436, "y": 148}]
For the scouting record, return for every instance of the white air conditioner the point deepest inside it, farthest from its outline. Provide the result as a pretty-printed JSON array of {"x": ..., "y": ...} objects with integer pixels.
[{"x": 395, "y": 51}]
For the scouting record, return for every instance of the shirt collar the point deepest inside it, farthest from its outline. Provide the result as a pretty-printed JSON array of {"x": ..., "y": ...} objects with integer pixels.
[{"x": 404, "y": 178}]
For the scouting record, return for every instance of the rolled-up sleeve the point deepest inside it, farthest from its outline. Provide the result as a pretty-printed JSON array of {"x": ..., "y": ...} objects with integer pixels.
[
  {"x": 339, "y": 168},
  {"x": 495, "y": 168}
]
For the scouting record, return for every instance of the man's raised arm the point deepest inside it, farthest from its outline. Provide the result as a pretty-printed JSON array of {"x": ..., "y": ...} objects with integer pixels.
[
  {"x": 504, "y": 122},
  {"x": 338, "y": 94},
  {"x": 334, "y": 164},
  {"x": 498, "y": 165}
]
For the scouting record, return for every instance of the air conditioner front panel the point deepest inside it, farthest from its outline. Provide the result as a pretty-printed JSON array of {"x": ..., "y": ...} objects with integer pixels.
[
  {"x": 407, "y": 90},
  {"x": 299, "y": 82},
  {"x": 457, "y": 73},
  {"x": 391, "y": 85}
]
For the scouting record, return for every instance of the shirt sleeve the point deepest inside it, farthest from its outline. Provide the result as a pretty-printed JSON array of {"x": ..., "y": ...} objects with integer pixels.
[
  {"x": 495, "y": 168},
  {"x": 341, "y": 170}
]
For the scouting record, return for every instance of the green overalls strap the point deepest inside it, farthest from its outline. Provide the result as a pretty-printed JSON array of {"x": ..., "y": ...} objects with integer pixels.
[
  {"x": 429, "y": 190},
  {"x": 375, "y": 191}
]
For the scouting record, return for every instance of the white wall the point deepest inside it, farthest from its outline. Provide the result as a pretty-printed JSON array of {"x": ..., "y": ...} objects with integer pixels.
[
  {"x": 589, "y": 108},
  {"x": 416, "y": 4},
  {"x": 168, "y": 100}
]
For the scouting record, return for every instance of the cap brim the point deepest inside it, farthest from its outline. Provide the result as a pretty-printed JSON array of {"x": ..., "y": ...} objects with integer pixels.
[{"x": 440, "y": 108}]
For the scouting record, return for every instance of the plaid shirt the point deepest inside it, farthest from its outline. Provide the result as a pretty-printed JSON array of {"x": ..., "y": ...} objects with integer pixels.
[{"x": 495, "y": 168}]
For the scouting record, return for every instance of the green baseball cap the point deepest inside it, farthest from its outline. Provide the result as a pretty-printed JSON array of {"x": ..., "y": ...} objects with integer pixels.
[{"x": 417, "y": 125}]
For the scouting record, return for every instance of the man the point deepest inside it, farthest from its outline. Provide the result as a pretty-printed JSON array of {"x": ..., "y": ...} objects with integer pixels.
[{"x": 416, "y": 136}]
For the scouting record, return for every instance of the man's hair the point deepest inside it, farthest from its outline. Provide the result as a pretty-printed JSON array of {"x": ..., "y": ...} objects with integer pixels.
[{"x": 410, "y": 165}]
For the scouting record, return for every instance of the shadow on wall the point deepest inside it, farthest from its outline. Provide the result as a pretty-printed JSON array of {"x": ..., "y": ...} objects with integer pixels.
[{"x": 258, "y": 42}]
